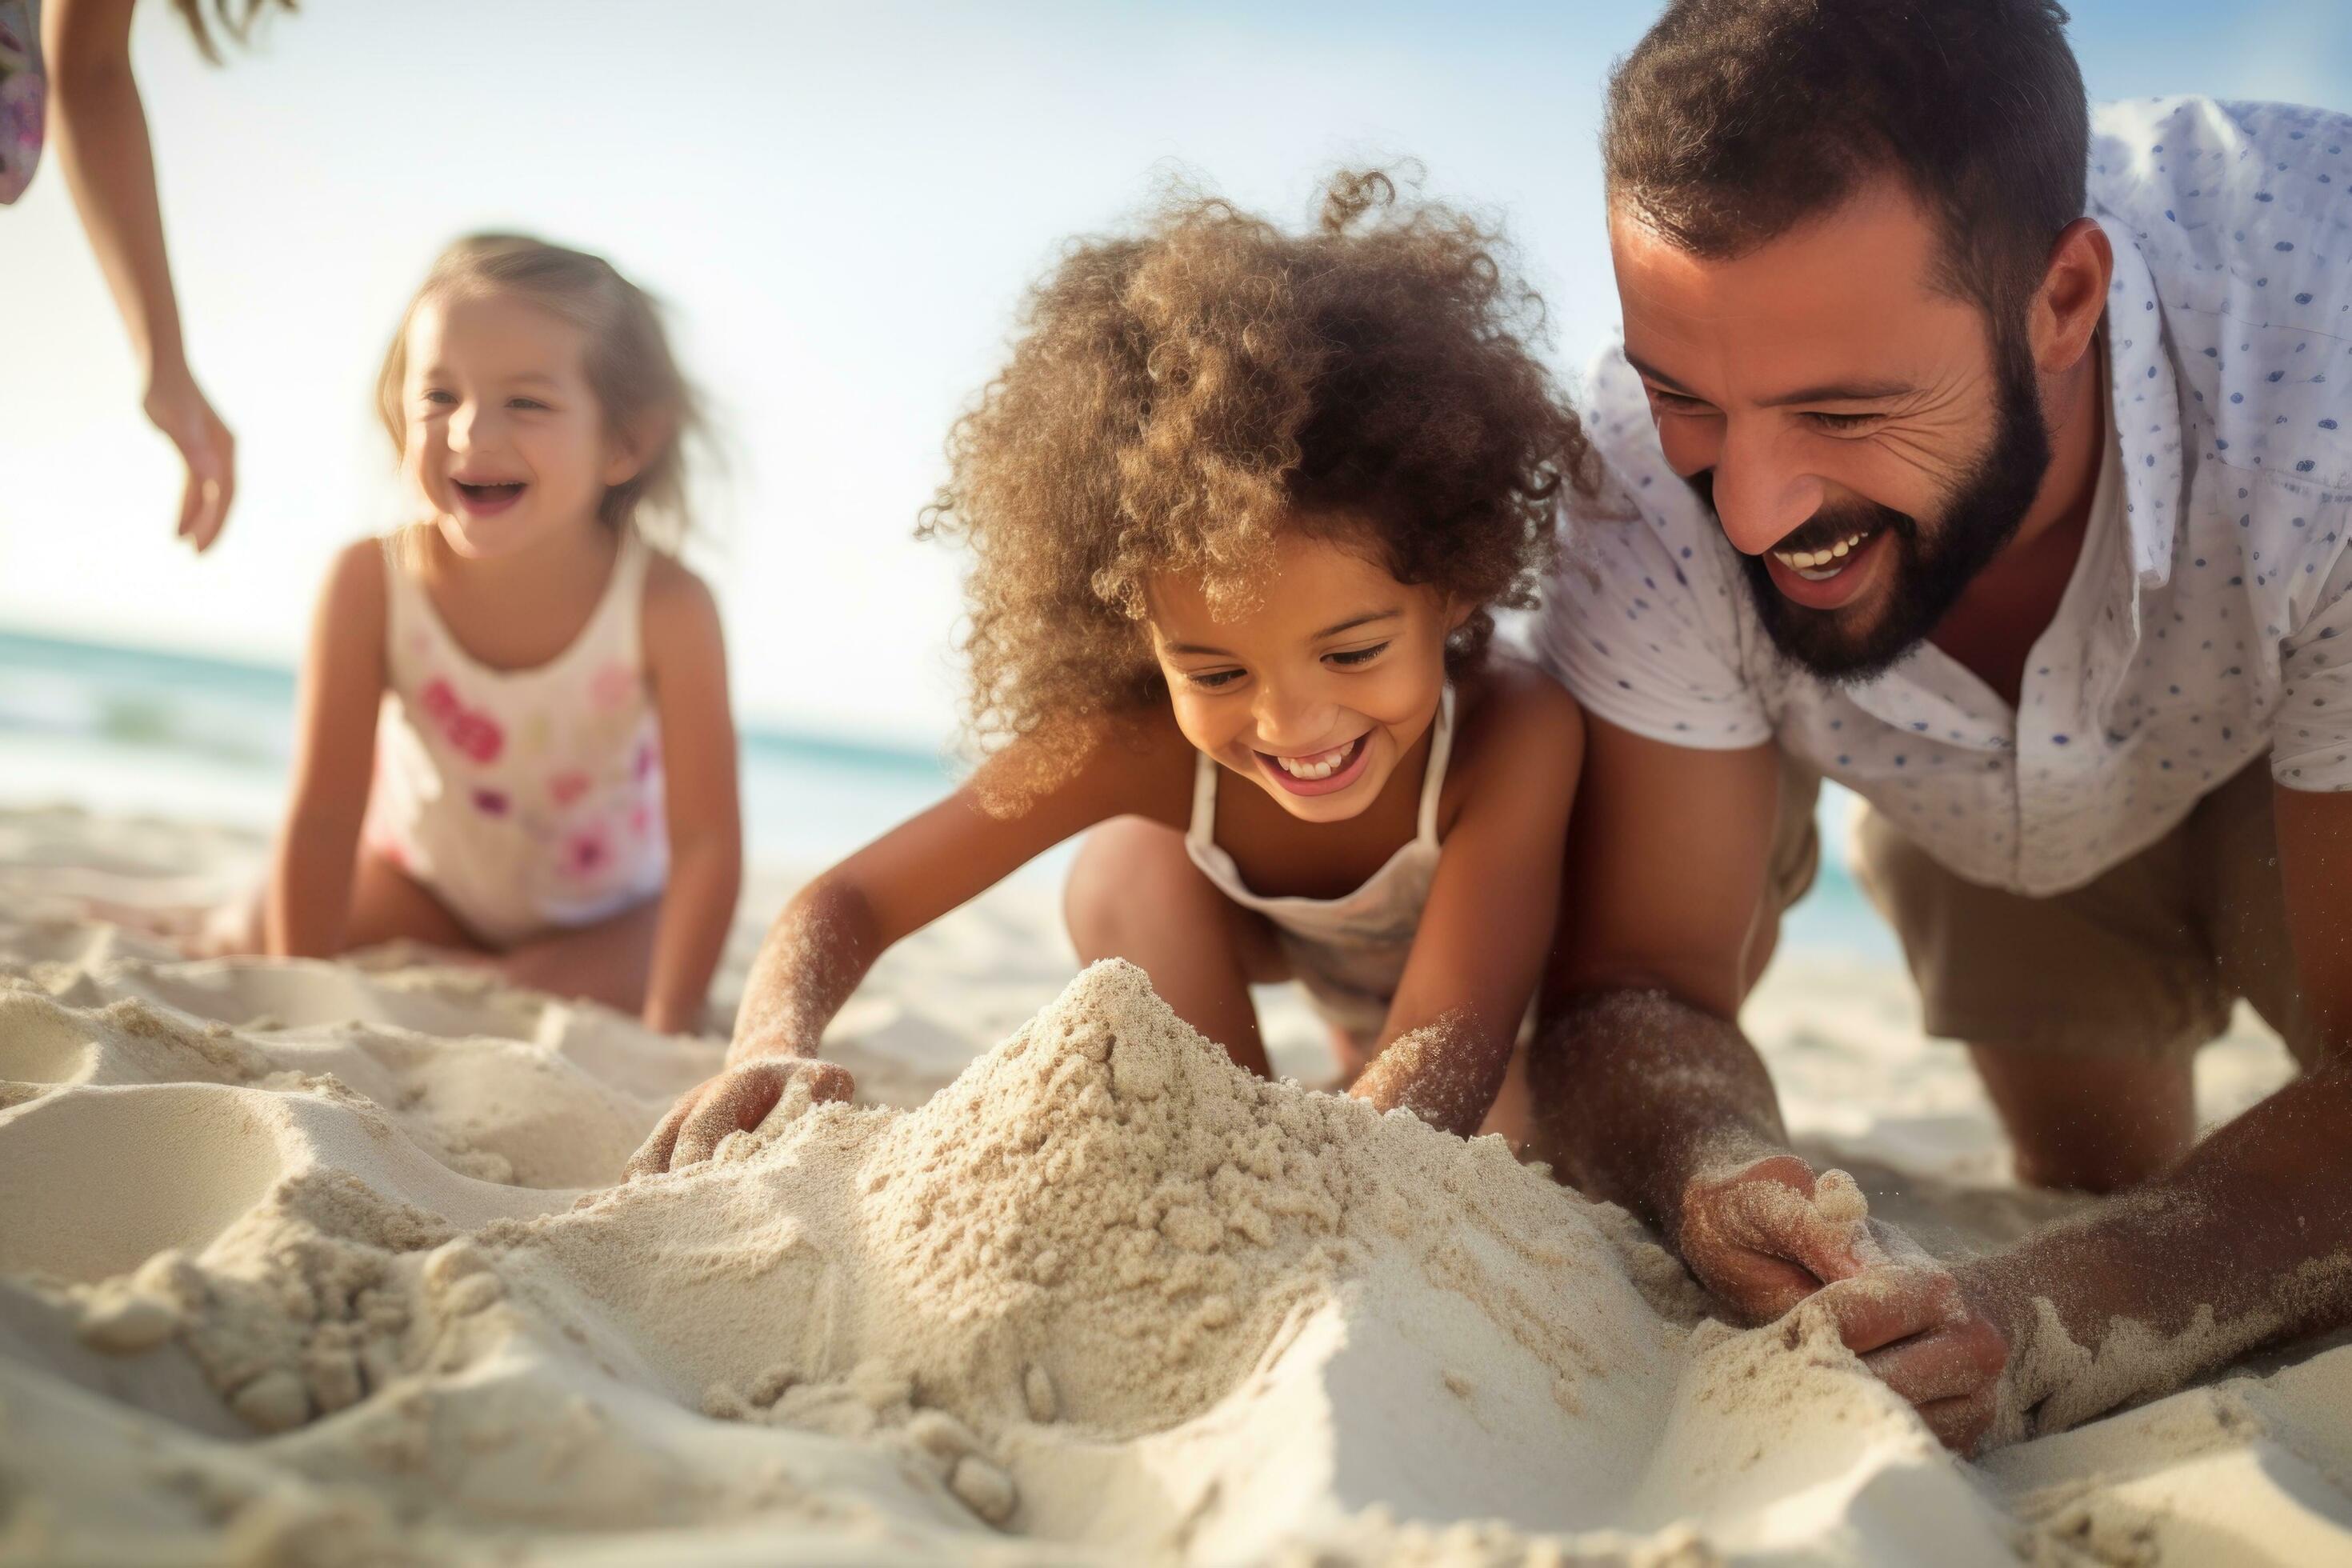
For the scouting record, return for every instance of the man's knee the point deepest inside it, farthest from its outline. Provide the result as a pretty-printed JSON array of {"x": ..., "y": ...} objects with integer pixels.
[
  {"x": 1128, "y": 864},
  {"x": 2088, "y": 1124}
]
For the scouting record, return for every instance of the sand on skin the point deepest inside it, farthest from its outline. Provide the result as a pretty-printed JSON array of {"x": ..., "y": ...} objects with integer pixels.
[{"x": 293, "y": 1271}]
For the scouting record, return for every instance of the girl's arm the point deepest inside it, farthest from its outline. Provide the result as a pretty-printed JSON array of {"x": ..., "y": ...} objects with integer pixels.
[
  {"x": 1480, "y": 949},
  {"x": 100, "y": 133},
  {"x": 687, "y": 658},
  {"x": 310, "y": 898},
  {"x": 833, "y": 928}
]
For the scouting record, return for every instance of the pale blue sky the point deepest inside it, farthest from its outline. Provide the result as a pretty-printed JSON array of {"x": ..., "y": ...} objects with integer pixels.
[{"x": 842, "y": 203}]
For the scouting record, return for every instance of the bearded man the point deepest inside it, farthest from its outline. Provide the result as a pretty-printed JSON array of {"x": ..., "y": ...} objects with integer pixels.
[{"x": 1993, "y": 461}]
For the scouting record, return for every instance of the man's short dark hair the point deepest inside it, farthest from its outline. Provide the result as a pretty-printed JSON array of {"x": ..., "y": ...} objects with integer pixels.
[{"x": 1734, "y": 120}]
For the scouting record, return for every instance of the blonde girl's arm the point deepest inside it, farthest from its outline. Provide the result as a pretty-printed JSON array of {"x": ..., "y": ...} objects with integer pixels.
[
  {"x": 308, "y": 907},
  {"x": 833, "y": 930},
  {"x": 1484, "y": 935},
  {"x": 99, "y": 129},
  {"x": 686, "y": 656}
]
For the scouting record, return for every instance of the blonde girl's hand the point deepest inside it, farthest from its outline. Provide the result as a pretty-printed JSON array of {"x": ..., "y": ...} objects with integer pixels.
[
  {"x": 180, "y": 411},
  {"x": 737, "y": 1100}
]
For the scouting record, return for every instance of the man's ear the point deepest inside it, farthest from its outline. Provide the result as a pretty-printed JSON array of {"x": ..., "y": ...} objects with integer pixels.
[{"x": 2066, "y": 308}]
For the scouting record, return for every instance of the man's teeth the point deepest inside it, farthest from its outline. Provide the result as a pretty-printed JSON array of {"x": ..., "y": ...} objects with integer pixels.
[
  {"x": 1815, "y": 565},
  {"x": 1322, "y": 765}
]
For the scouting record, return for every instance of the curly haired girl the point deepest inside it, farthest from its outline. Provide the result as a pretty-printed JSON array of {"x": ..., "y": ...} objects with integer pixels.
[{"x": 1241, "y": 508}]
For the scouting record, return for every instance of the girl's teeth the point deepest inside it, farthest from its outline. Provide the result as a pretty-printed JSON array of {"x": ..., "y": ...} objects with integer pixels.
[{"x": 1322, "y": 765}]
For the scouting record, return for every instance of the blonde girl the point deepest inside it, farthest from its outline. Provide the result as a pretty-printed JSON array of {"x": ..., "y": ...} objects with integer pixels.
[{"x": 513, "y": 737}]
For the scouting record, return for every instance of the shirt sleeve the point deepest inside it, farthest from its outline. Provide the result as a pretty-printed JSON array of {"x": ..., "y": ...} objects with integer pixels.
[
  {"x": 1642, "y": 619},
  {"x": 2310, "y": 743}
]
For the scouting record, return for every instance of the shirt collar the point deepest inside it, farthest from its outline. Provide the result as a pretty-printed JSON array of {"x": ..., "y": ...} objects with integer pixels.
[{"x": 2144, "y": 406}]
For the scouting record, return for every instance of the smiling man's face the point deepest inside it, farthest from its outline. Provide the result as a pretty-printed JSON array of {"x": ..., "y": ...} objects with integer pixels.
[{"x": 1866, "y": 440}]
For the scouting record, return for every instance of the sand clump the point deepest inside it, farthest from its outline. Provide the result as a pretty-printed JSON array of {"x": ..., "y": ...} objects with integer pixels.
[
  {"x": 1102, "y": 1224},
  {"x": 322, "y": 1294}
]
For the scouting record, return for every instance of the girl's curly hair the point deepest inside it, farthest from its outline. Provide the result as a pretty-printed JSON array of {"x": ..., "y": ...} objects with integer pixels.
[{"x": 1178, "y": 397}]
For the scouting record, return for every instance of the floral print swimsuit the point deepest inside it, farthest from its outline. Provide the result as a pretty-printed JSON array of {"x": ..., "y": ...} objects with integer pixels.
[
  {"x": 525, "y": 800},
  {"x": 22, "y": 95}
]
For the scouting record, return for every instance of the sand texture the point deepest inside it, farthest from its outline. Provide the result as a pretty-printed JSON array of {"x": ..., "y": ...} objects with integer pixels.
[{"x": 320, "y": 1263}]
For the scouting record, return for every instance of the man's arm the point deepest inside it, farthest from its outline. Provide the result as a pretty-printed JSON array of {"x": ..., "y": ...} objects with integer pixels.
[
  {"x": 1667, "y": 859},
  {"x": 1647, "y": 1090},
  {"x": 2246, "y": 1241}
]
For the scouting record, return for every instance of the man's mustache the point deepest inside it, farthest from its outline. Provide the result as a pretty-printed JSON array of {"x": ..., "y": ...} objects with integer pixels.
[{"x": 1826, "y": 528}]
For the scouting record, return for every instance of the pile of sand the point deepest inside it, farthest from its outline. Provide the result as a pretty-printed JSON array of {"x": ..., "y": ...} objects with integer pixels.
[{"x": 304, "y": 1264}]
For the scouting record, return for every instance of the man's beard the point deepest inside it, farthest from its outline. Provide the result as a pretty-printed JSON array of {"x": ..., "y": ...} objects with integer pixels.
[{"x": 1933, "y": 566}]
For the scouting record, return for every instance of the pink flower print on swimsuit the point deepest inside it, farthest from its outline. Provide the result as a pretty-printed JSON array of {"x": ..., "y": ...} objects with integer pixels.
[
  {"x": 587, "y": 851},
  {"x": 614, "y": 687},
  {"x": 518, "y": 793},
  {"x": 475, "y": 733}
]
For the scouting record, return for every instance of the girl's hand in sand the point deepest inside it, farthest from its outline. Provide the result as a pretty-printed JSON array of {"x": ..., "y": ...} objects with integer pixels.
[
  {"x": 1769, "y": 1236},
  {"x": 179, "y": 410},
  {"x": 737, "y": 1100}
]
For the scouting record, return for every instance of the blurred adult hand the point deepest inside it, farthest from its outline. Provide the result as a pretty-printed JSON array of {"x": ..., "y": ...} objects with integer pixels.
[{"x": 179, "y": 410}]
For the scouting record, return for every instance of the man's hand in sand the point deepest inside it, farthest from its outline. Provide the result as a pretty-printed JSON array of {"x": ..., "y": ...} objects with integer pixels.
[
  {"x": 1771, "y": 1236},
  {"x": 737, "y": 1100}
]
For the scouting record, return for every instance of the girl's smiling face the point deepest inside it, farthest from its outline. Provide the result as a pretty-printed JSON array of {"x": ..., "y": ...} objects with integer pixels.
[
  {"x": 505, "y": 437},
  {"x": 1319, "y": 689}
]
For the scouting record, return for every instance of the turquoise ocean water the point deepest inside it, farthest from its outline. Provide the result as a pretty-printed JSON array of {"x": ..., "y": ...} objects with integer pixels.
[{"x": 134, "y": 731}]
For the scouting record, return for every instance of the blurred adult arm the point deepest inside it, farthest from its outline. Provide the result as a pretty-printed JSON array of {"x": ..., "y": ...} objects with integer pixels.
[{"x": 99, "y": 129}]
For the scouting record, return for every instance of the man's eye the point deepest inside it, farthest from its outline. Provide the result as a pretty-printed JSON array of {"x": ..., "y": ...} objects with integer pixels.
[
  {"x": 1352, "y": 657},
  {"x": 1676, "y": 403},
  {"x": 1841, "y": 421}
]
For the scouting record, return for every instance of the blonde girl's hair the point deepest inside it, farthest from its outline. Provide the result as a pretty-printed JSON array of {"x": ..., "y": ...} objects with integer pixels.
[{"x": 636, "y": 380}]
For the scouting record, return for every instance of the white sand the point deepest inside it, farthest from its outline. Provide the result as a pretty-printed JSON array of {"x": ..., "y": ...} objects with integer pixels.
[{"x": 291, "y": 1271}]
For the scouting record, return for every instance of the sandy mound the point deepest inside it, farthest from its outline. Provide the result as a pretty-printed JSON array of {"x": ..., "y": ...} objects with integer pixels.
[{"x": 303, "y": 1264}]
